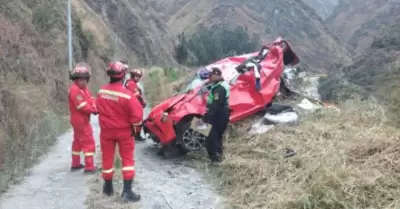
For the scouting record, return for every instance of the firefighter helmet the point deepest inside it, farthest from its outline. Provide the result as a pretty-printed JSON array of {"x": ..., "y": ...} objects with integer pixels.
[
  {"x": 81, "y": 70},
  {"x": 116, "y": 69},
  {"x": 136, "y": 72}
]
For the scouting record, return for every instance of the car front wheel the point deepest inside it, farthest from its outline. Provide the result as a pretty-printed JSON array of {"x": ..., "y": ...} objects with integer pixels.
[{"x": 188, "y": 139}]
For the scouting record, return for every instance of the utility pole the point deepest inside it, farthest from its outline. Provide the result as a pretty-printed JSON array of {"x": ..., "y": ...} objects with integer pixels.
[
  {"x": 116, "y": 46},
  {"x": 69, "y": 28}
]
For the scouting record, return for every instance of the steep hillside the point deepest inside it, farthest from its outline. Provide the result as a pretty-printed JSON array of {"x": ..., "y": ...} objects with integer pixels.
[
  {"x": 324, "y": 8},
  {"x": 33, "y": 74},
  {"x": 376, "y": 72},
  {"x": 358, "y": 21},
  {"x": 291, "y": 19},
  {"x": 139, "y": 27}
]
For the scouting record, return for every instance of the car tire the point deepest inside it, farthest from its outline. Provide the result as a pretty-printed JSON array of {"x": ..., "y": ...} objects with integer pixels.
[{"x": 183, "y": 133}]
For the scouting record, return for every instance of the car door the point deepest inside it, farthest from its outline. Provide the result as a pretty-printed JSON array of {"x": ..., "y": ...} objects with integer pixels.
[{"x": 244, "y": 98}]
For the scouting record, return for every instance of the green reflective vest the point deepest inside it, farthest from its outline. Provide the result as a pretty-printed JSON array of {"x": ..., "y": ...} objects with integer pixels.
[{"x": 223, "y": 84}]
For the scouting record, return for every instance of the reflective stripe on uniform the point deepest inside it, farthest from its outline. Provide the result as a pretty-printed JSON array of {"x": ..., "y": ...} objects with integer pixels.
[
  {"x": 114, "y": 93},
  {"x": 76, "y": 153},
  {"x": 128, "y": 168},
  {"x": 81, "y": 105},
  {"x": 223, "y": 84},
  {"x": 89, "y": 153},
  {"x": 108, "y": 171}
]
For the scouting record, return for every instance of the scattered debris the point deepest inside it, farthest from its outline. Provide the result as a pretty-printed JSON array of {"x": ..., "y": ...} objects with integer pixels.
[
  {"x": 279, "y": 113},
  {"x": 282, "y": 118},
  {"x": 289, "y": 153},
  {"x": 305, "y": 104}
]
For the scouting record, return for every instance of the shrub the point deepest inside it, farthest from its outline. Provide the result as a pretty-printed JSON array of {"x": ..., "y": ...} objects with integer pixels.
[{"x": 45, "y": 16}]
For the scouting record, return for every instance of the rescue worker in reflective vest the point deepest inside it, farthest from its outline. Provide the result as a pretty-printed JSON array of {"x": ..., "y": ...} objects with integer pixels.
[
  {"x": 217, "y": 114},
  {"x": 81, "y": 106},
  {"x": 119, "y": 113},
  {"x": 132, "y": 84}
]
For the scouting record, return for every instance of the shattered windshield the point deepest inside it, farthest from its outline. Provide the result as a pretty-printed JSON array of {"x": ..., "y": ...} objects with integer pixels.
[{"x": 195, "y": 82}]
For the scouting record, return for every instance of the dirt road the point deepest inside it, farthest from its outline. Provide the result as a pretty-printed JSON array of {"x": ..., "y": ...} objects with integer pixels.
[{"x": 161, "y": 183}]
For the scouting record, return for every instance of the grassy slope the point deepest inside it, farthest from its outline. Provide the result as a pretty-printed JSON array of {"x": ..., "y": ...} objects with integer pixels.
[{"x": 345, "y": 159}]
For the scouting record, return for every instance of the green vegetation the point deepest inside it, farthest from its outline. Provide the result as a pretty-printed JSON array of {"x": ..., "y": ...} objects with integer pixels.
[
  {"x": 85, "y": 39},
  {"x": 334, "y": 88},
  {"x": 210, "y": 44},
  {"x": 375, "y": 74},
  {"x": 45, "y": 16},
  {"x": 161, "y": 83}
]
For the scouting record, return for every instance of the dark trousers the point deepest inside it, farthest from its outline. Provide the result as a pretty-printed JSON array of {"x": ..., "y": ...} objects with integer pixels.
[{"x": 215, "y": 138}]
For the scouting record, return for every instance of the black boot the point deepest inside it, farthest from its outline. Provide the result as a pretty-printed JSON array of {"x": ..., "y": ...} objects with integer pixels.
[
  {"x": 90, "y": 171},
  {"x": 108, "y": 188},
  {"x": 76, "y": 168},
  {"x": 127, "y": 194},
  {"x": 138, "y": 137}
]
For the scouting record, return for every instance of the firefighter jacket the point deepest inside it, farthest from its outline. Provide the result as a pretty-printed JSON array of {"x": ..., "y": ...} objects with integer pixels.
[
  {"x": 118, "y": 108},
  {"x": 81, "y": 105},
  {"x": 133, "y": 86}
]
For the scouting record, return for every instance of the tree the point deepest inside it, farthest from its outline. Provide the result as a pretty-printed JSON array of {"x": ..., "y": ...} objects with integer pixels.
[{"x": 211, "y": 44}]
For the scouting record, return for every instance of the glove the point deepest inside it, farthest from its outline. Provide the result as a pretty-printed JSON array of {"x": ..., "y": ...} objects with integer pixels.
[{"x": 133, "y": 130}]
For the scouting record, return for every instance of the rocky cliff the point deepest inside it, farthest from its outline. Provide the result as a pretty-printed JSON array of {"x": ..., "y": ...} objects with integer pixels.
[
  {"x": 139, "y": 28},
  {"x": 291, "y": 19}
]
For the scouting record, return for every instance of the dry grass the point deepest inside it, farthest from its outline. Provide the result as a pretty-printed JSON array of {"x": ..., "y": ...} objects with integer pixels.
[
  {"x": 162, "y": 83},
  {"x": 346, "y": 159},
  {"x": 28, "y": 133}
]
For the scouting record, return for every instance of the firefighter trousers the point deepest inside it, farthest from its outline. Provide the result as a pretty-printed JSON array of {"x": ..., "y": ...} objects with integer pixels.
[
  {"x": 126, "y": 144},
  {"x": 214, "y": 141},
  {"x": 83, "y": 142}
]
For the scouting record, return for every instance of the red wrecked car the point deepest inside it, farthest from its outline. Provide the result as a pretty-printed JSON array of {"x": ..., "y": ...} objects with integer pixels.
[{"x": 254, "y": 80}]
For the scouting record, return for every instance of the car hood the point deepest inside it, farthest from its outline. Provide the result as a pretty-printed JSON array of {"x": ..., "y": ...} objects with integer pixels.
[{"x": 165, "y": 105}]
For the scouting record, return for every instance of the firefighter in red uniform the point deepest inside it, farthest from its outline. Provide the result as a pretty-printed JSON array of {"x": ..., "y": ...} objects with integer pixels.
[
  {"x": 81, "y": 106},
  {"x": 119, "y": 113},
  {"x": 132, "y": 84}
]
